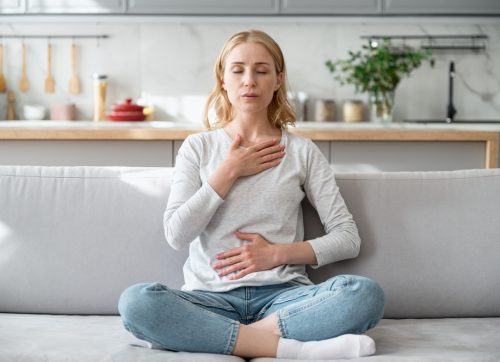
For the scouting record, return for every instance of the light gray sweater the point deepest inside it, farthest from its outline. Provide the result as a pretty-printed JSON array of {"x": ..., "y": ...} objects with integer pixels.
[{"x": 268, "y": 203}]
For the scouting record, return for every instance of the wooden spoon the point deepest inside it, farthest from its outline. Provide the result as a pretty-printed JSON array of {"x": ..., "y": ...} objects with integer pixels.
[
  {"x": 49, "y": 82},
  {"x": 2, "y": 78},
  {"x": 74, "y": 82},
  {"x": 24, "y": 85}
]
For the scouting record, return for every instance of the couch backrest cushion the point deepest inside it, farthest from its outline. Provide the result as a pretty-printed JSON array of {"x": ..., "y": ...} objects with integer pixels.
[
  {"x": 73, "y": 238},
  {"x": 431, "y": 239}
]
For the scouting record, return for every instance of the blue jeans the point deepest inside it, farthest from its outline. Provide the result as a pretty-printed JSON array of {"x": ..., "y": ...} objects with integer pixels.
[{"x": 199, "y": 321}]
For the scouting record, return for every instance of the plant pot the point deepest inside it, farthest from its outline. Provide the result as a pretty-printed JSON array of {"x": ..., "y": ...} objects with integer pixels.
[{"x": 381, "y": 106}]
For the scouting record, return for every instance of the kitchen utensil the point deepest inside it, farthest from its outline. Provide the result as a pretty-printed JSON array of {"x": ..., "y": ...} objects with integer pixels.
[
  {"x": 126, "y": 111},
  {"x": 11, "y": 113},
  {"x": 74, "y": 82},
  {"x": 49, "y": 82},
  {"x": 24, "y": 84},
  {"x": 2, "y": 78},
  {"x": 34, "y": 113}
]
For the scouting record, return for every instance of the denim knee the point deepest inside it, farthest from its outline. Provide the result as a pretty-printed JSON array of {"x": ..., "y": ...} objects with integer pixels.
[
  {"x": 132, "y": 301},
  {"x": 368, "y": 297},
  {"x": 373, "y": 298}
]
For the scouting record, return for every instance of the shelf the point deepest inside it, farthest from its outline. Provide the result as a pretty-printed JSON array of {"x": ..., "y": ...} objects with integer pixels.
[{"x": 474, "y": 42}]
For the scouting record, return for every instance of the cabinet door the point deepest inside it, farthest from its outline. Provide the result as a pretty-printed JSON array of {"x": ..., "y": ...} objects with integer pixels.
[
  {"x": 204, "y": 7},
  {"x": 440, "y": 7},
  {"x": 331, "y": 7},
  {"x": 76, "y": 7},
  {"x": 12, "y": 6}
]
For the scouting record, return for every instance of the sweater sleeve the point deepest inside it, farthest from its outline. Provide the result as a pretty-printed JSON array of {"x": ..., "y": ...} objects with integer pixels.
[
  {"x": 341, "y": 240},
  {"x": 191, "y": 204}
]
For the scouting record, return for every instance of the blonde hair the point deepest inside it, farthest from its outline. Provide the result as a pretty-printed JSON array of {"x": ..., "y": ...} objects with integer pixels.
[{"x": 280, "y": 112}]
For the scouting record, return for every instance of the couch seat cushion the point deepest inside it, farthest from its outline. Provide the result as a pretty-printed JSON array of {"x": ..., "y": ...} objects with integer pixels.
[
  {"x": 426, "y": 340},
  {"x": 58, "y": 338}
]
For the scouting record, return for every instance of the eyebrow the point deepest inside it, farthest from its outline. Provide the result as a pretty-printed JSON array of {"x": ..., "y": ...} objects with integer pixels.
[{"x": 257, "y": 63}]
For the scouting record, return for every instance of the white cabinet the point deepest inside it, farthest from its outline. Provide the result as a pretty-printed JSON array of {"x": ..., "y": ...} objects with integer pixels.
[
  {"x": 441, "y": 7},
  {"x": 205, "y": 7},
  {"x": 331, "y": 7},
  {"x": 76, "y": 7},
  {"x": 86, "y": 152},
  {"x": 12, "y": 6},
  {"x": 363, "y": 156}
]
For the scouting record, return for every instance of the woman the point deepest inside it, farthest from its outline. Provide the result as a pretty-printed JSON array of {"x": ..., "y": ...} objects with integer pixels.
[{"x": 235, "y": 200}]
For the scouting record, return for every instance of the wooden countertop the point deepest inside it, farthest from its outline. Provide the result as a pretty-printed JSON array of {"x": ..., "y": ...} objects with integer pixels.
[{"x": 87, "y": 130}]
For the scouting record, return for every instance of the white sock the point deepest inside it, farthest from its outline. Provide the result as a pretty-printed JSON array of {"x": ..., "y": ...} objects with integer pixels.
[
  {"x": 345, "y": 346},
  {"x": 152, "y": 345}
]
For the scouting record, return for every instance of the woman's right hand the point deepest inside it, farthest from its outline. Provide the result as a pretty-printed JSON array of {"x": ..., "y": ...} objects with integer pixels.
[
  {"x": 255, "y": 159},
  {"x": 244, "y": 162}
]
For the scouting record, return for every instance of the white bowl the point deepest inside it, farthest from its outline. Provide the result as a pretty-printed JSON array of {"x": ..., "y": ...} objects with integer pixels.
[{"x": 33, "y": 113}]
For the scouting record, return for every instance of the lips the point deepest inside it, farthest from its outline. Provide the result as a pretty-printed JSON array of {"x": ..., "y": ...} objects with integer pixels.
[{"x": 249, "y": 95}]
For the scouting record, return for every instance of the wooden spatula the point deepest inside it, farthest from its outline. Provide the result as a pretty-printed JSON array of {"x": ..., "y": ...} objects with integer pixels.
[
  {"x": 24, "y": 85},
  {"x": 2, "y": 78},
  {"x": 49, "y": 82},
  {"x": 74, "y": 82}
]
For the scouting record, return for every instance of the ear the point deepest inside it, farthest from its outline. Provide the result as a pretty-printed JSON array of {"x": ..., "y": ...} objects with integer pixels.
[{"x": 279, "y": 81}]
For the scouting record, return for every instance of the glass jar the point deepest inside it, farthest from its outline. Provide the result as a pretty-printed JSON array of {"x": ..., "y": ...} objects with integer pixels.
[
  {"x": 352, "y": 111},
  {"x": 325, "y": 110},
  {"x": 100, "y": 87}
]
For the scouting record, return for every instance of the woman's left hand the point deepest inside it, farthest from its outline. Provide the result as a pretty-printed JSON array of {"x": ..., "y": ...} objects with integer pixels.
[{"x": 256, "y": 255}]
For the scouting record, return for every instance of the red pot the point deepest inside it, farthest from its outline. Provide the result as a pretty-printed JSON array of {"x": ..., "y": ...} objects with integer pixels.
[{"x": 126, "y": 111}]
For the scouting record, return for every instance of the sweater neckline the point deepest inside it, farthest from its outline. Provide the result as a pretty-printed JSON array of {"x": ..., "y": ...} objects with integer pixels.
[{"x": 230, "y": 140}]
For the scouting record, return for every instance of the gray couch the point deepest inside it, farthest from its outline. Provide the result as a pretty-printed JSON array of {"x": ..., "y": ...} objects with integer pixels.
[{"x": 72, "y": 238}]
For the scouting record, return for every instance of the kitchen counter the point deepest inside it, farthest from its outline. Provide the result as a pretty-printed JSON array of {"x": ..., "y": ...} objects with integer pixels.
[{"x": 324, "y": 132}]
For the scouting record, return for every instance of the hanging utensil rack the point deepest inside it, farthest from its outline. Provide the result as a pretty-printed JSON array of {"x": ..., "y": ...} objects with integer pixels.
[
  {"x": 39, "y": 36},
  {"x": 473, "y": 42}
]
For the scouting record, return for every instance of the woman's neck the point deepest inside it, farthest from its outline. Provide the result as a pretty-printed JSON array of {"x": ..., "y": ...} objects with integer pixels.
[{"x": 252, "y": 130}]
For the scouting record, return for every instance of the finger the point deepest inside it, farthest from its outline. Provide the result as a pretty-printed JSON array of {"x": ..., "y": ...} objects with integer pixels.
[
  {"x": 236, "y": 142},
  {"x": 266, "y": 165},
  {"x": 232, "y": 269},
  {"x": 271, "y": 150},
  {"x": 245, "y": 236},
  {"x": 272, "y": 157},
  {"x": 229, "y": 253},
  {"x": 240, "y": 274},
  {"x": 264, "y": 144}
]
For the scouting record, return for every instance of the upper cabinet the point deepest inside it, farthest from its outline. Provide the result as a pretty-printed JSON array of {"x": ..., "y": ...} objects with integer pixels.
[
  {"x": 441, "y": 7},
  {"x": 75, "y": 7},
  {"x": 12, "y": 6},
  {"x": 255, "y": 7},
  {"x": 331, "y": 7},
  {"x": 204, "y": 7}
]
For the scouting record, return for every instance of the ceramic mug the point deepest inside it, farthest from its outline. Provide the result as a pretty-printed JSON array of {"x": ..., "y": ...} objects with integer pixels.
[{"x": 63, "y": 112}]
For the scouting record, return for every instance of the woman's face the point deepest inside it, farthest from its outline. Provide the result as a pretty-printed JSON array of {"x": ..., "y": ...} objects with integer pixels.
[{"x": 250, "y": 78}]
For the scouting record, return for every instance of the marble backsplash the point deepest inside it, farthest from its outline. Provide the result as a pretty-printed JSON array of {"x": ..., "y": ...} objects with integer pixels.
[{"x": 170, "y": 64}]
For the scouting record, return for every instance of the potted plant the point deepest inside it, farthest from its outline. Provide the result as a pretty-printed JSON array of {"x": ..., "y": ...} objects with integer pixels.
[{"x": 377, "y": 69}]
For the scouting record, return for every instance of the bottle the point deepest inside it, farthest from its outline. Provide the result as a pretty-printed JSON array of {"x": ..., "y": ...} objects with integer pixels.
[
  {"x": 100, "y": 87},
  {"x": 11, "y": 113}
]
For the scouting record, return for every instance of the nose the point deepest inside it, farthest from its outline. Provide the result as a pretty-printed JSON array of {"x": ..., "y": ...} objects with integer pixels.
[{"x": 249, "y": 79}]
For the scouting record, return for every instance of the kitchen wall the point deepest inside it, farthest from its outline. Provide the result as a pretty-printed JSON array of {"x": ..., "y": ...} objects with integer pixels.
[{"x": 170, "y": 62}]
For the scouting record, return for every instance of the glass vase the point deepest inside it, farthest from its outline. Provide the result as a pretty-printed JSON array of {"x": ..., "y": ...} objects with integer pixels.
[{"x": 381, "y": 106}]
